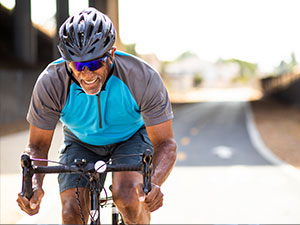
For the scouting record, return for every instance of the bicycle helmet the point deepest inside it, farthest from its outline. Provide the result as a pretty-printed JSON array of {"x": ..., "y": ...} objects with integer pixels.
[{"x": 86, "y": 35}]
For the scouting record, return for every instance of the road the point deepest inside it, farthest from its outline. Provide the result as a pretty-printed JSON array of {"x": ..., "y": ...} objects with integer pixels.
[{"x": 222, "y": 175}]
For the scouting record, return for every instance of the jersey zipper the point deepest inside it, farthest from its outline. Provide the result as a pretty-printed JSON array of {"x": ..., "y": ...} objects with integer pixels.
[
  {"x": 102, "y": 89},
  {"x": 99, "y": 110}
]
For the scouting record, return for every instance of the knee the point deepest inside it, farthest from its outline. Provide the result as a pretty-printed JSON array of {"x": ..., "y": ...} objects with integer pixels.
[
  {"x": 126, "y": 198},
  {"x": 70, "y": 209},
  {"x": 71, "y": 213}
]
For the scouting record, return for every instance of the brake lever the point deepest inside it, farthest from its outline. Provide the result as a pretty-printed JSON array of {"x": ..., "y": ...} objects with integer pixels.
[
  {"x": 147, "y": 170},
  {"x": 27, "y": 173}
]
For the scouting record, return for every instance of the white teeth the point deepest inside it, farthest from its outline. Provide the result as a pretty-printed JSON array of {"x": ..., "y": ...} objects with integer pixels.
[{"x": 90, "y": 82}]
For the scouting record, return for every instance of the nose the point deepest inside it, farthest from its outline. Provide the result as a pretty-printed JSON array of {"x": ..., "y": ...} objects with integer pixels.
[
  {"x": 85, "y": 68},
  {"x": 86, "y": 71}
]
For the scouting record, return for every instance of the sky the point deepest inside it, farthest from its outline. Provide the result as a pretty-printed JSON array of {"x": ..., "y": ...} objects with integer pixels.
[{"x": 259, "y": 31}]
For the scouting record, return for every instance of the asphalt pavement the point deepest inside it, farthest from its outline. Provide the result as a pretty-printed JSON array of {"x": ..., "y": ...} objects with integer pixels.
[{"x": 221, "y": 175}]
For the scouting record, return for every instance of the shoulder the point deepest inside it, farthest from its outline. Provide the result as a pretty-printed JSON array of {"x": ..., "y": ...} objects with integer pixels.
[
  {"x": 52, "y": 85},
  {"x": 54, "y": 75}
]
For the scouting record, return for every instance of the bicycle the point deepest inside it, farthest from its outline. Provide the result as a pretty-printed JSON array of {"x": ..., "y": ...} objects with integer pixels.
[{"x": 90, "y": 171}]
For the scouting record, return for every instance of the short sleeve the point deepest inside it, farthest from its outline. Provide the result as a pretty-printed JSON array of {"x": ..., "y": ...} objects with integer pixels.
[
  {"x": 45, "y": 106},
  {"x": 155, "y": 104}
]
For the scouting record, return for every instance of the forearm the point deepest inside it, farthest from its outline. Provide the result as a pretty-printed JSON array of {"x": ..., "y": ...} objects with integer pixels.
[
  {"x": 164, "y": 159},
  {"x": 38, "y": 153}
]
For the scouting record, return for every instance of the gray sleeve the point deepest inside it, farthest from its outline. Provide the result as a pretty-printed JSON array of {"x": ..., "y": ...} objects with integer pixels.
[
  {"x": 155, "y": 105},
  {"x": 147, "y": 88},
  {"x": 45, "y": 106}
]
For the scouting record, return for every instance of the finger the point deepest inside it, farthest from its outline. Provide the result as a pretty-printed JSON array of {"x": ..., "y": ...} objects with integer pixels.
[
  {"x": 156, "y": 203},
  {"x": 23, "y": 201},
  {"x": 26, "y": 205},
  {"x": 155, "y": 207},
  {"x": 140, "y": 192},
  {"x": 27, "y": 210},
  {"x": 35, "y": 201},
  {"x": 152, "y": 195}
]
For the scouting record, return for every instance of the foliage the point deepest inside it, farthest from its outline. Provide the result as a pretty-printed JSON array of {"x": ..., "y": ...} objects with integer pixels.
[
  {"x": 198, "y": 79},
  {"x": 247, "y": 69},
  {"x": 130, "y": 48},
  {"x": 285, "y": 67},
  {"x": 185, "y": 55}
]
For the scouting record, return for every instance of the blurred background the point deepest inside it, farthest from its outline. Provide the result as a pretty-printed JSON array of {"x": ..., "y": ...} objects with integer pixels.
[
  {"x": 204, "y": 50},
  {"x": 218, "y": 59}
]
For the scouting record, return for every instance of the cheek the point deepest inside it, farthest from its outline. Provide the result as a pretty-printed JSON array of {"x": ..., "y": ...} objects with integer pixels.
[
  {"x": 103, "y": 72},
  {"x": 76, "y": 76}
]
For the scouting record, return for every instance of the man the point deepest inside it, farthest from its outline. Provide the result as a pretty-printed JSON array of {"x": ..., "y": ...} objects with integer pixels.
[{"x": 111, "y": 104}]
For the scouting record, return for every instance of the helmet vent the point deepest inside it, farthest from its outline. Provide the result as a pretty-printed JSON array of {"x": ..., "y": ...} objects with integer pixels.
[
  {"x": 89, "y": 33},
  {"x": 80, "y": 37},
  {"x": 71, "y": 52},
  {"x": 65, "y": 31},
  {"x": 95, "y": 17},
  {"x": 94, "y": 42},
  {"x": 71, "y": 21},
  {"x": 81, "y": 20},
  {"x": 106, "y": 41},
  {"x": 68, "y": 44},
  {"x": 100, "y": 27},
  {"x": 91, "y": 51},
  {"x": 72, "y": 31}
]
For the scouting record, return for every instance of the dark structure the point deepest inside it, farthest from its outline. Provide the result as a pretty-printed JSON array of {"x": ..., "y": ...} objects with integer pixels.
[{"x": 24, "y": 53}]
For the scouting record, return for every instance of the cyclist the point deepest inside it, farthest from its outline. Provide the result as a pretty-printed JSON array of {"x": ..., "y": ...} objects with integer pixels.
[{"x": 111, "y": 104}]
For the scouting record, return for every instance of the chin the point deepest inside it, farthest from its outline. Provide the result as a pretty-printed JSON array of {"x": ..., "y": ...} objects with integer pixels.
[{"x": 92, "y": 92}]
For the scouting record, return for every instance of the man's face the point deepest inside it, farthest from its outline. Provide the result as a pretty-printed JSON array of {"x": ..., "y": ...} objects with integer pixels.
[{"x": 92, "y": 81}]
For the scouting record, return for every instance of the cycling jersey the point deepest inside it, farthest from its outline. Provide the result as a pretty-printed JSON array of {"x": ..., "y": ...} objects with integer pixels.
[{"x": 134, "y": 95}]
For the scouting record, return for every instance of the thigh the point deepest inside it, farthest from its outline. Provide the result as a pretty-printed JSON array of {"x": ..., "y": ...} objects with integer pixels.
[
  {"x": 131, "y": 151},
  {"x": 68, "y": 154}
]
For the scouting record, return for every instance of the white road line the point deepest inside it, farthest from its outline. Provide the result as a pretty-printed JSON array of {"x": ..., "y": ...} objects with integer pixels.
[{"x": 262, "y": 149}]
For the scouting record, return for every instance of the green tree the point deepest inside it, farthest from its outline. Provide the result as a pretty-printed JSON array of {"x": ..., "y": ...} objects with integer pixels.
[
  {"x": 247, "y": 69},
  {"x": 130, "y": 48}
]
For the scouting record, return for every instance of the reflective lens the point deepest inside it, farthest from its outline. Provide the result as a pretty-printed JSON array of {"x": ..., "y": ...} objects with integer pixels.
[{"x": 91, "y": 65}]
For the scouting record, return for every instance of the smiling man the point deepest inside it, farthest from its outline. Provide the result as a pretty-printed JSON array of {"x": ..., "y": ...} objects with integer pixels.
[{"x": 112, "y": 104}]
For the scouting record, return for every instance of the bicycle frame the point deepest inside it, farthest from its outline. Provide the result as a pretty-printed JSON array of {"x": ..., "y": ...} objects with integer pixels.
[{"x": 81, "y": 167}]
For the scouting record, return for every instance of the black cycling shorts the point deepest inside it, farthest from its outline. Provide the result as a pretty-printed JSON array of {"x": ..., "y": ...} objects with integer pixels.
[{"x": 119, "y": 153}]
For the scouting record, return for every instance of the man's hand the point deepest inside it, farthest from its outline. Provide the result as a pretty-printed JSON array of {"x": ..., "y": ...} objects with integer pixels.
[
  {"x": 153, "y": 200},
  {"x": 31, "y": 207}
]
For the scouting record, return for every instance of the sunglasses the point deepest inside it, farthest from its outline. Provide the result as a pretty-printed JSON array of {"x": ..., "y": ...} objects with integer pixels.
[{"x": 91, "y": 65}]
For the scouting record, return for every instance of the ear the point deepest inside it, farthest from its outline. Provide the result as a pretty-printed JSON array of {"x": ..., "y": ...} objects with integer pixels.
[
  {"x": 113, "y": 49},
  {"x": 112, "y": 54}
]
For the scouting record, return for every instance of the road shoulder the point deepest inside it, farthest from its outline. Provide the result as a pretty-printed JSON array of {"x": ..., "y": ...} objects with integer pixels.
[{"x": 278, "y": 125}]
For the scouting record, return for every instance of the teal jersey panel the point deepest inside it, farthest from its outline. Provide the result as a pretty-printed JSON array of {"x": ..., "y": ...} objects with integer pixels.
[{"x": 109, "y": 117}]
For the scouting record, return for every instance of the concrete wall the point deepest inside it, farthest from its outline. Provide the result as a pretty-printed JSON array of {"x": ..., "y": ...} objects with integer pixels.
[
  {"x": 285, "y": 88},
  {"x": 15, "y": 93}
]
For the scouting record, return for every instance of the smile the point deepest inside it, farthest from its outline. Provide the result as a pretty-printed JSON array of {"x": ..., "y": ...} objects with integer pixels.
[{"x": 90, "y": 81}]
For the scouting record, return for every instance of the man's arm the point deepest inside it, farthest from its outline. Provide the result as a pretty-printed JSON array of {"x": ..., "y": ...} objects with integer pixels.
[
  {"x": 164, "y": 145},
  {"x": 164, "y": 158},
  {"x": 38, "y": 147}
]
